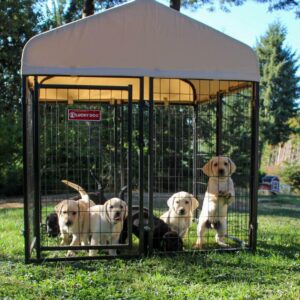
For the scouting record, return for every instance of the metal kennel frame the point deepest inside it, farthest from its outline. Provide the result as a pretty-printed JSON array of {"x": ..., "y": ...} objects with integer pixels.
[
  {"x": 248, "y": 241},
  {"x": 165, "y": 115},
  {"x": 144, "y": 132},
  {"x": 32, "y": 123}
]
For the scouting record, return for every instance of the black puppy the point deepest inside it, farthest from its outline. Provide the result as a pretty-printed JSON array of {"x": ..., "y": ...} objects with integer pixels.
[
  {"x": 52, "y": 225},
  {"x": 164, "y": 239}
]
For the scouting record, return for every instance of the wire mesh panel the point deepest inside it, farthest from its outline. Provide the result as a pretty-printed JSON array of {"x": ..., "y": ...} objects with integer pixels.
[
  {"x": 215, "y": 121},
  {"x": 157, "y": 155},
  {"x": 85, "y": 161},
  {"x": 233, "y": 118}
]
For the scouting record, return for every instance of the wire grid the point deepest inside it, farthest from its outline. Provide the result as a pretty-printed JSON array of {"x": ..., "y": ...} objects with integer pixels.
[
  {"x": 174, "y": 145},
  {"x": 70, "y": 149}
]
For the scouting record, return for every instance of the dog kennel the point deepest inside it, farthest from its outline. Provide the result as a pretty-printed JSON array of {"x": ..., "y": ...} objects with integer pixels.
[{"x": 143, "y": 96}]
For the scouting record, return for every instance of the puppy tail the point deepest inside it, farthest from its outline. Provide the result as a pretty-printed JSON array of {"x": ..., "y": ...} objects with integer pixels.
[{"x": 78, "y": 188}]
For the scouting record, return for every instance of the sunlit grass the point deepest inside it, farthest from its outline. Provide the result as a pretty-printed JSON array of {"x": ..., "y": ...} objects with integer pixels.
[{"x": 272, "y": 273}]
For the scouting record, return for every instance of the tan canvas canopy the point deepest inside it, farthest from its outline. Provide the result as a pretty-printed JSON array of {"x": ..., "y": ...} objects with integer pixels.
[{"x": 142, "y": 38}]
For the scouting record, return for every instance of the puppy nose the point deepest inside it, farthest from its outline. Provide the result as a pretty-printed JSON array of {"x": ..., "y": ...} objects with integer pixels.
[
  {"x": 117, "y": 214},
  {"x": 221, "y": 171},
  {"x": 69, "y": 223},
  {"x": 182, "y": 211}
]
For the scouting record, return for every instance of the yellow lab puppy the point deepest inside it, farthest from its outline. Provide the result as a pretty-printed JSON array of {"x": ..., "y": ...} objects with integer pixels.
[
  {"x": 219, "y": 195},
  {"x": 180, "y": 214},
  {"x": 107, "y": 223},
  {"x": 73, "y": 218}
]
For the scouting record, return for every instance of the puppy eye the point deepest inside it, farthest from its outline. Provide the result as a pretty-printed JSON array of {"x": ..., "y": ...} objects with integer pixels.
[
  {"x": 186, "y": 202},
  {"x": 65, "y": 212},
  {"x": 215, "y": 164},
  {"x": 73, "y": 213},
  {"x": 121, "y": 206},
  {"x": 177, "y": 201},
  {"x": 225, "y": 163},
  {"x": 111, "y": 207}
]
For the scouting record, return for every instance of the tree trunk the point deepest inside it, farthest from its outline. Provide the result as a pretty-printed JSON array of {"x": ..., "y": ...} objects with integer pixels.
[
  {"x": 175, "y": 4},
  {"x": 88, "y": 8}
]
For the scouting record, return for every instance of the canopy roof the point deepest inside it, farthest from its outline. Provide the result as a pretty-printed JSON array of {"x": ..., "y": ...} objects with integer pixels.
[{"x": 139, "y": 38}]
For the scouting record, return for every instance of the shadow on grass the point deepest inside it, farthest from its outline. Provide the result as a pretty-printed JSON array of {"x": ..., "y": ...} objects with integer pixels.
[
  {"x": 279, "y": 212},
  {"x": 9, "y": 257},
  {"x": 288, "y": 250}
]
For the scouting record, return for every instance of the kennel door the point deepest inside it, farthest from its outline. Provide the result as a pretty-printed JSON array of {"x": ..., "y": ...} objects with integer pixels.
[{"x": 85, "y": 136}]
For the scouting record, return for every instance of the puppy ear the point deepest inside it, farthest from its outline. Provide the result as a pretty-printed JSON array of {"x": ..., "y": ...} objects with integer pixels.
[
  {"x": 207, "y": 169},
  {"x": 232, "y": 166},
  {"x": 58, "y": 207},
  {"x": 104, "y": 211},
  {"x": 170, "y": 201},
  {"x": 195, "y": 203}
]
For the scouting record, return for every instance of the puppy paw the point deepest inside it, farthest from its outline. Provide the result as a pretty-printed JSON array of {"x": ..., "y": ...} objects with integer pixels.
[
  {"x": 197, "y": 246},
  {"x": 70, "y": 253},
  {"x": 226, "y": 195},
  {"x": 222, "y": 244}
]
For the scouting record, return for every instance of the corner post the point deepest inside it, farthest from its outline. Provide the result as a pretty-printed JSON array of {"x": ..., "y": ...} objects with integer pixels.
[{"x": 254, "y": 165}]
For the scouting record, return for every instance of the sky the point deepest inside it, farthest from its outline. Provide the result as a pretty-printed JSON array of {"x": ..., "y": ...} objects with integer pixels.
[{"x": 248, "y": 22}]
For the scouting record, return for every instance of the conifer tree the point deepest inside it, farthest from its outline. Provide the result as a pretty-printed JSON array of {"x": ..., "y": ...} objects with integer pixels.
[{"x": 279, "y": 85}]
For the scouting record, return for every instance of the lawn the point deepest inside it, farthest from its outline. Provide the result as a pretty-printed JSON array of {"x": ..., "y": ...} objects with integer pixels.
[{"x": 272, "y": 273}]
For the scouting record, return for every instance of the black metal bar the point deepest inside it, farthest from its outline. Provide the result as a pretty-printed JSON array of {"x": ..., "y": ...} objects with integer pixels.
[
  {"x": 87, "y": 247},
  {"x": 195, "y": 149},
  {"x": 116, "y": 188},
  {"x": 150, "y": 167},
  {"x": 141, "y": 164},
  {"x": 201, "y": 251},
  {"x": 219, "y": 124},
  {"x": 195, "y": 153},
  {"x": 25, "y": 170},
  {"x": 122, "y": 146},
  {"x": 82, "y": 258},
  {"x": 36, "y": 164},
  {"x": 83, "y": 87},
  {"x": 254, "y": 165},
  {"x": 129, "y": 166}
]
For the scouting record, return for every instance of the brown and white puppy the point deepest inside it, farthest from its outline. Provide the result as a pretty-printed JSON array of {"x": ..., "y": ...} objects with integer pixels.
[
  {"x": 218, "y": 196},
  {"x": 73, "y": 218},
  {"x": 180, "y": 214},
  {"x": 106, "y": 223}
]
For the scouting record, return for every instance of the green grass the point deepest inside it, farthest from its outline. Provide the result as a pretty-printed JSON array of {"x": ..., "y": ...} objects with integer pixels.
[{"x": 272, "y": 273}]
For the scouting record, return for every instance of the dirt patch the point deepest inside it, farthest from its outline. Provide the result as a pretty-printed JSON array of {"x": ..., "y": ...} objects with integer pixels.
[
  {"x": 11, "y": 205},
  {"x": 14, "y": 202}
]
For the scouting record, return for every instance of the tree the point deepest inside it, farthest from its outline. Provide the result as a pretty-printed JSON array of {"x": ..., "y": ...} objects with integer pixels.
[
  {"x": 18, "y": 22},
  {"x": 279, "y": 85},
  {"x": 291, "y": 176},
  {"x": 175, "y": 4},
  {"x": 88, "y": 8},
  {"x": 290, "y": 5}
]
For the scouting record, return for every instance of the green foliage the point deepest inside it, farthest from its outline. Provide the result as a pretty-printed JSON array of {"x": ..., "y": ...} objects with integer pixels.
[
  {"x": 236, "y": 130},
  {"x": 59, "y": 12},
  {"x": 279, "y": 85},
  {"x": 11, "y": 167},
  {"x": 289, "y": 5},
  {"x": 18, "y": 21},
  {"x": 291, "y": 175},
  {"x": 17, "y": 24}
]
